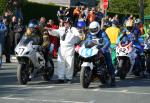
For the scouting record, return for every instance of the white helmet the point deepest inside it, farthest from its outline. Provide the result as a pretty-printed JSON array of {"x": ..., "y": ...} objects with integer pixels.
[{"x": 94, "y": 27}]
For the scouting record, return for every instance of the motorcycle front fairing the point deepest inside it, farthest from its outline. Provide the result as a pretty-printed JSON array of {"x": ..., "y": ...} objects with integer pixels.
[
  {"x": 87, "y": 54},
  {"x": 26, "y": 51}
]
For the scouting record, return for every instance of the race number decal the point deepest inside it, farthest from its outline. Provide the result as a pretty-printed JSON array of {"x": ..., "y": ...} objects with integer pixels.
[
  {"x": 122, "y": 50},
  {"x": 21, "y": 50},
  {"x": 87, "y": 52}
]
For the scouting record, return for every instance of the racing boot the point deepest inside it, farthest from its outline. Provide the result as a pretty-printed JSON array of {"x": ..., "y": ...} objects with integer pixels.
[{"x": 113, "y": 81}]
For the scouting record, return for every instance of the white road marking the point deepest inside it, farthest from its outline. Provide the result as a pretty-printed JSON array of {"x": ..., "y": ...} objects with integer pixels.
[
  {"x": 27, "y": 86},
  {"x": 124, "y": 91},
  {"x": 110, "y": 91},
  {"x": 42, "y": 87},
  {"x": 55, "y": 101}
]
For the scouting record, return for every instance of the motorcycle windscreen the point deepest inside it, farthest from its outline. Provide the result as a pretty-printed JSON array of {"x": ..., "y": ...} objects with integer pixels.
[
  {"x": 23, "y": 46},
  {"x": 87, "y": 52}
]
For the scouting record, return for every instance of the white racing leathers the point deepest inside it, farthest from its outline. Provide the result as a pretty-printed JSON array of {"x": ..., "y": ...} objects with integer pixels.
[{"x": 66, "y": 51}]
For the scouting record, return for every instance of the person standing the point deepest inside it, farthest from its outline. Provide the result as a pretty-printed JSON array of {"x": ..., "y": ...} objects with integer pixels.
[
  {"x": 113, "y": 33},
  {"x": 53, "y": 39},
  {"x": 68, "y": 37},
  {"x": 2, "y": 38}
]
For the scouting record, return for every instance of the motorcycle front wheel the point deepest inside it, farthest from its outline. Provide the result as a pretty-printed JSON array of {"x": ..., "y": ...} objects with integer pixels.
[
  {"x": 85, "y": 77},
  {"x": 122, "y": 67},
  {"x": 22, "y": 74}
]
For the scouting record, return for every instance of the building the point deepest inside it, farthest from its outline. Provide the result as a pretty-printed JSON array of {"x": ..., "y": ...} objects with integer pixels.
[{"x": 67, "y": 2}]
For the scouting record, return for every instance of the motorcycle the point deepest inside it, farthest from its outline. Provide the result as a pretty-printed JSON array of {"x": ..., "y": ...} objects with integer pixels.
[
  {"x": 31, "y": 62},
  {"x": 93, "y": 64},
  {"x": 127, "y": 56},
  {"x": 147, "y": 55}
]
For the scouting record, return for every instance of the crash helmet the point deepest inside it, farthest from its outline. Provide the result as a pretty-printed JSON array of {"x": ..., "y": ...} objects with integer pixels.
[
  {"x": 81, "y": 24},
  {"x": 94, "y": 28}
]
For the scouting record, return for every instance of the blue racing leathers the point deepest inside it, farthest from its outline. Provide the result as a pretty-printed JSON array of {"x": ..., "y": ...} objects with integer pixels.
[
  {"x": 104, "y": 39},
  {"x": 139, "y": 44}
]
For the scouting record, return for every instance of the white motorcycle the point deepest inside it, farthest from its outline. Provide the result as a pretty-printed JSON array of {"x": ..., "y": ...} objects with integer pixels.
[
  {"x": 93, "y": 64},
  {"x": 31, "y": 62},
  {"x": 126, "y": 57}
]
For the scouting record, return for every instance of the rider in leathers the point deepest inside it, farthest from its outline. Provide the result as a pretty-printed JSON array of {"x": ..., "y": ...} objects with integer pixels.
[
  {"x": 95, "y": 32},
  {"x": 33, "y": 32}
]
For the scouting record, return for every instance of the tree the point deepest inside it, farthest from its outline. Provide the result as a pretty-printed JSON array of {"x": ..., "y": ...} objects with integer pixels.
[
  {"x": 147, "y": 7},
  {"x": 2, "y": 6},
  {"x": 124, "y": 6}
]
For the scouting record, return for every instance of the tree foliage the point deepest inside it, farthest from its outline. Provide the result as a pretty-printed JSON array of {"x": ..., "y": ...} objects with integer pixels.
[
  {"x": 124, "y": 6},
  {"x": 147, "y": 7},
  {"x": 2, "y": 6},
  {"x": 128, "y": 6}
]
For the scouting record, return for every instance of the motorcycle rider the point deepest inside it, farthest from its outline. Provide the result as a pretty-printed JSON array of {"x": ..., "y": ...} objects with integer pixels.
[
  {"x": 68, "y": 37},
  {"x": 138, "y": 42},
  {"x": 96, "y": 32},
  {"x": 33, "y": 32}
]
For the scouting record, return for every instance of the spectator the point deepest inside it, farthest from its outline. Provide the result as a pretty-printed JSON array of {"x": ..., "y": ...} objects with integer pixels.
[
  {"x": 2, "y": 33},
  {"x": 91, "y": 16},
  {"x": 12, "y": 33},
  {"x": 129, "y": 22},
  {"x": 19, "y": 30},
  {"x": 113, "y": 33},
  {"x": 53, "y": 39},
  {"x": 8, "y": 41},
  {"x": 86, "y": 12},
  {"x": 76, "y": 13},
  {"x": 99, "y": 15},
  {"x": 42, "y": 22},
  {"x": 60, "y": 14},
  {"x": 68, "y": 12}
]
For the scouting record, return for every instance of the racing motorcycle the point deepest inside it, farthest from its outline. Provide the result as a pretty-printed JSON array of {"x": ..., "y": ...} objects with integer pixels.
[
  {"x": 93, "y": 64},
  {"x": 147, "y": 54},
  {"x": 31, "y": 62},
  {"x": 127, "y": 56}
]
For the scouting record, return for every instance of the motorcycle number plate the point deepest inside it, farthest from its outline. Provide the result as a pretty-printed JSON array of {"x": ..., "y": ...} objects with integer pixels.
[{"x": 123, "y": 50}]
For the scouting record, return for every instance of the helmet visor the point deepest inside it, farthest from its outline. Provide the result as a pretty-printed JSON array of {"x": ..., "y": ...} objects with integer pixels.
[{"x": 94, "y": 30}]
